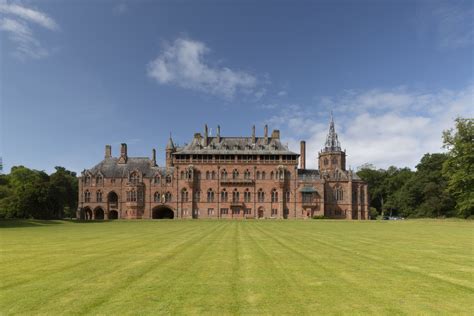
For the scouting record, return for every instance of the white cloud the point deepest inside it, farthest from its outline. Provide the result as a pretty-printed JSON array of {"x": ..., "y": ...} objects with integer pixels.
[
  {"x": 182, "y": 63},
  {"x": 455, "y": 25},
  {"x": 282, "y": 93},
  {"x": 16, "y": 21},
  {"x": 392, "y": 127}
]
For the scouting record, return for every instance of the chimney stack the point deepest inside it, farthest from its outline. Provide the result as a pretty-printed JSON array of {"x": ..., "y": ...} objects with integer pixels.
[
  {"x": 265, "y": 133},
  {"x": 218, "y": 134},
  {"x": 123, "y": 154},
  {"x": 153, "y": 157},
  {"x": 206, "y": 134},
  {"x": 303, "y": 155},
  {"x": 253, "y": 135},
  {"x": 108, "y": 151},
  {"x": 276, "y": 134}
]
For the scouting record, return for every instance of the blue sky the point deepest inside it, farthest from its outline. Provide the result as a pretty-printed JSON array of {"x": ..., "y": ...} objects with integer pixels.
[{"x": 76, "y": 75}]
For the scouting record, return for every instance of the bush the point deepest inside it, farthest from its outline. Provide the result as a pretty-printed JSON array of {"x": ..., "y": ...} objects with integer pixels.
[{"x": 319, "y": 217}]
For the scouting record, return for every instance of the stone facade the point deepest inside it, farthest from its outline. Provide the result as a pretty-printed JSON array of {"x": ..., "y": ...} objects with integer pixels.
[{"x": 224, "y": 178}]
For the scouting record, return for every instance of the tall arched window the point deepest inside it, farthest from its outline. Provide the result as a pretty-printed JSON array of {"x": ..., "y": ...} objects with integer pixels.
[
  {"x": 134, "y": 177},
  {"x": 287, "y": 193},
  {"x": 168, "y": 179},
  {"x": 224, "y": 174},
  {"x": 247, "y": 196},
  {"x": 208, "y": 175},
  {"x": 157, "y": 179},
  {"x": 197, "y": 196},
  {"x": 210, "y": 196},
  {"x": 263, "y": 175},
  {"x": 261, "y": 196},
  {"x": 87, "y": 196},
  {"x": 213, "y": 175},
  {"x": 182, "y": 175},
  {"x": 99, "y": 180},
  {"x": 274, "y": 196},
  {"x": 157, "y": 197},
  {"x": 235, "y": 196},
  {"x": 259, "y": 175},
  {"x": 167, "y": 197},
  {"x": 271, "y": 175},
  {"x": 247, "y": 174},
  {"x": 235, "y": 174},
  {"x": 98, "y": 196},
  {"x": 184, "y": 195},
  {"x": 339, "y": 194},
  {"x": 224, "y": 196},
  {"x": 87, "y": 181}
]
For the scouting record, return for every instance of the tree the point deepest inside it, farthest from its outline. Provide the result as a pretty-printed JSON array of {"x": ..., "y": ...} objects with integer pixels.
[{"x": 458, "y": 167}]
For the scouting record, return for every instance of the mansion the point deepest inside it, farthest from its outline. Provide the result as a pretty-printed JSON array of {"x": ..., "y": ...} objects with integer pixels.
[{"x": 224, "y": 178}]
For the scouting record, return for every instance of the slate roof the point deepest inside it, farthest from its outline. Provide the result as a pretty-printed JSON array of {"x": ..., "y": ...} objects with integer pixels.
[
  {"x": 110, "y": 168},
  {"x": 235, "y": 145},
  {"x": 308, "y": 174}
]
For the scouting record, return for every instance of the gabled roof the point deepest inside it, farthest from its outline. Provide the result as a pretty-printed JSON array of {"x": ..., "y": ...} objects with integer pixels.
[
  {"x": 236, "y": 145},
  {"x": 110, "y": 168}
]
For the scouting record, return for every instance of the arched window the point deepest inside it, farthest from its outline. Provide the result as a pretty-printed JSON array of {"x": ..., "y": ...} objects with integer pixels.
[
  {"x": 224, "y": 174},
  {"x": 235, "y": 174},
  {"x": 134, "y": 177},
  {"x": 210, "y": 196},
  {"x": 213, "y": 175},
  {"x": 197, "y": 196},
  {"x": 247, "y": 174},
  {"x": 274, "y": 196},
  {"x": 263, "y": 175},
  {"x": 261, "y": 196},
  {"x": 208, "y": 175},
  {"x": 87, "y": 181},
  {"x": 326, "y": 161},
  {"x": 131, "y": 196},
  {"x": 87, "y": 196},
  {"x": 157, "y": 179},
  {"x": 184, "y": 195},
  {"x": 157, "y": 197},
  {"x": 168, "y": 179},
  {"x": 339, "y": 194},
  {"x": 99, "y": 180},
  {"x": 224, "y": 196},
  {"x": 167, "y": 197},
  {"x": 247, "y": 196},
  {"x": 334, "y": 161},
  {"x": 259, "y": 175},
  {"x": 182, "y": 175},
  {"x": 98, "y": 195},
  {"x": 271, "y": 175},
  {"x": 235, "y": 196}
]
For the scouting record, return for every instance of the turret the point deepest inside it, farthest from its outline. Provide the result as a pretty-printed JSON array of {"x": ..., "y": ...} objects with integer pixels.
[
  {"x": 331, "y": 156},
  {"x": 170, "y": 149}
]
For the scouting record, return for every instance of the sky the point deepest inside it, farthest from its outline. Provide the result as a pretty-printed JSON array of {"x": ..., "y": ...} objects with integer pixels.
[{"x": 77, "y": 75}]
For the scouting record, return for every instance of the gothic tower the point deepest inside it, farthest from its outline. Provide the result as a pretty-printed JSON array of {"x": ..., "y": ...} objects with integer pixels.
[
  {"x": 331, "y": 156},
  {"x": 170, "y": 148}
]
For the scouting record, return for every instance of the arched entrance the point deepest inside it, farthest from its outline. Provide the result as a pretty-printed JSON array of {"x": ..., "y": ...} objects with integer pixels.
[
  {"x": 99, "y": 213},
  {"x": 162, "y": 212},
  {"x": 113, "y": 215},
  {"x": 87, "y": 214},
  {"x": 112, "y": 200},
  {"x": 261, "y": 212}
]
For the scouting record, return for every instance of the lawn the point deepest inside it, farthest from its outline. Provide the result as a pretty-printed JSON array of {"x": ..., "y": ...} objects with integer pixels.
[{"x": 237, "y": 267}]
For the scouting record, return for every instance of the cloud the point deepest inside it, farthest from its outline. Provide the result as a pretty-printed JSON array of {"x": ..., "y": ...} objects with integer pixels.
[
  {"x": 17, "y": 22},
  {"x": 182, "y": 63},
  {"x": 382, "y": 127},
  {"x": 120, "y": 9},
  {"x": 282, "y": 93}
]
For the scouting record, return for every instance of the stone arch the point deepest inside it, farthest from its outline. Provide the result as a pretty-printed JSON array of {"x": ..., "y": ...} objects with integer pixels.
[
  {"x": 112, "y": 200},
  {"x": 99, "y": 213},
  {"x": 113, "y": 214},
  {"x": 87, "y": 213},
  {"x": 162, "y": 212}
]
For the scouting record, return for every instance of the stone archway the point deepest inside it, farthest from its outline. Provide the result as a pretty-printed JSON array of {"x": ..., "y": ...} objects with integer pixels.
[
  {"x": 99, "y": 213},
  {"x": 162, "y": 212},
  {"x": 87, "y": 213},
  {"x": 113, "y": 215}
]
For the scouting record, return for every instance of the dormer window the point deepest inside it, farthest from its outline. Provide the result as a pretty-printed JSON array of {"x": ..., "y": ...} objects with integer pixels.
[
  {"x": 99, "y": 180},
  {"x": 134, "y": 178}
]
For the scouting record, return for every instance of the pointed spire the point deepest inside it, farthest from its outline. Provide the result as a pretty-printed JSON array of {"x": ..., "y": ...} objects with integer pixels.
[
  {"x": 332, "y": 141},
  {"x": 170, "y": 143}
]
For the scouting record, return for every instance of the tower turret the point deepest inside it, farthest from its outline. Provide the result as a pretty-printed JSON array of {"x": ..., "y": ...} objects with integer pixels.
[
  {"x": 331, "y": 156},
  {"x": 170, "y": 149}
]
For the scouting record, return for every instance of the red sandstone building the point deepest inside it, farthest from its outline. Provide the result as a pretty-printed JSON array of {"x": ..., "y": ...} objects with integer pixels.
[{"x": 224, "y": 178}]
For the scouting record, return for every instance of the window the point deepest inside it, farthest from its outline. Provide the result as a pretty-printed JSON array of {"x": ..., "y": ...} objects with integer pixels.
[
  {"x": 224, "y": 175},
  {"x": 210, "y": 196},
  {"x": 334, "y": 161},
  {"x": 184, "y": 195},
  {"x": 235, "y": 211},
  {"x": 131, "y": 196},
  {"x": 263, "y": 175},
  {"x": 339, "y": 194},
  {"x": 87, "y": 196},
  {"x": 168, "y": 179},
  {"x": 362, "y": 197},
  {"x": 274, "y": 196},
  {"x": 247, "y": 174},
  {"x": 197, "y": 196},
  {"x": 210, "y": 211},
  {"x": 87, "y": 181},
  {"x": 167, "y": 197},
  {"x": 134, "y": 178},
  {"x": 208, "y": 175},
  {"x": 156, "y": 179},
  {"x": 112, "y": 181},
  {"x": 213, "y": 175},
  {"x": 247, "y": 211},
  {"x": 259, "y": 175},
  {"x": 274, "y": 212},
  {"x": 224, "y": 211},
  {"x": 235, "y": 196},
  {"x": 247, "y": 196},
  {"x": 326, "y": 161},
  {"x": 182, "y": 175},
  {"x": 156, "y": 197},
  {"x": 271, "y": 175},
  {"x": 338, "y": 212},
  {"x": 261, "y": 196},
  {"x": 287, "y": 196},
  {"x": 235, "y": 174},
  {"x": 99, "y": 180},
  {"x": 99, "y": 196},
  {"x": 308, "y": 197},
  {"x": 224, "y": 196}
]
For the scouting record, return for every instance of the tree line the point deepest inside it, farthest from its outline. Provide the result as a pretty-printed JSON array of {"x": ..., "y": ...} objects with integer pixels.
[{"x": 441, "y": 186}]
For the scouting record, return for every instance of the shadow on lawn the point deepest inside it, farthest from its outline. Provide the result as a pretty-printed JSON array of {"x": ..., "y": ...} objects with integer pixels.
[{"x": 14, "y": 223}]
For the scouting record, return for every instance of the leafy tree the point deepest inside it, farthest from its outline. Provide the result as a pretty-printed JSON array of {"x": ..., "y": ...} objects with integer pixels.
[{"x": 458, "y": 167}]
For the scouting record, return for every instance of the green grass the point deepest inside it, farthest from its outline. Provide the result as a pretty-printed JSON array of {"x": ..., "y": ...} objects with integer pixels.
[{"x": 237, "y": 267}]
